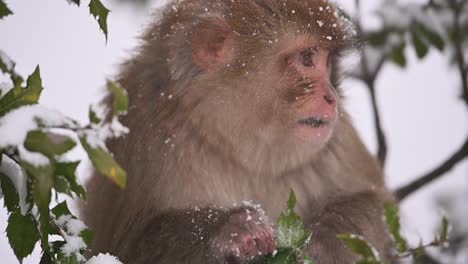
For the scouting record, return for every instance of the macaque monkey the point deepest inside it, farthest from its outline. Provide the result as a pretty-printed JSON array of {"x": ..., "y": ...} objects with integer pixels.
[{"x": 234, "y": 101}]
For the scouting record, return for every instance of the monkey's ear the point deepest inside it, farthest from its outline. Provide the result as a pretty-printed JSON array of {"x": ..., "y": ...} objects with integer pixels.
[{"x": 212, "y": 43}]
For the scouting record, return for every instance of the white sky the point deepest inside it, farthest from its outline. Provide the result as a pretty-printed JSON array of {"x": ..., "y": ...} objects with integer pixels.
[{"x": 423, "y": 119}]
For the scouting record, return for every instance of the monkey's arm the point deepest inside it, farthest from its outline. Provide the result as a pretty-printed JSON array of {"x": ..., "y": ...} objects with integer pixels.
[
  {"x": 204, "y": 235},
  {"x": 360, "y": 214}
]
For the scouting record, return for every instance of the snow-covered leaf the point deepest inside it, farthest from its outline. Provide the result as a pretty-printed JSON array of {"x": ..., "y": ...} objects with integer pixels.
[
  {"x": 290, "y": 232},
  {"x": 22, "y": 234},
  {"x": 105, "y": 163},
  {"x": 19, "y": 96},
  {"x": 100, "y": 12},
  {"x": 48, "y": 144}
]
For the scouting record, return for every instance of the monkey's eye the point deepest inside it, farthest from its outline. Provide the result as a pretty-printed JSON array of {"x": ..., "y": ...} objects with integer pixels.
[{"x": 307, "y": 57}]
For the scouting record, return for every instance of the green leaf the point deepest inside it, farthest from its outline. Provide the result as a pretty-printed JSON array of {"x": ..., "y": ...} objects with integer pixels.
[
  {"x": 68, "y": 170},
  {"x": 61, "y": 209},
  {"x": 63, "y": 259},
  {"x": 100, "y": 12},
  {"x": 87, "y": 236},
  {"x": 445, "y": 229},
  {"x": 290, "y": 232},
  {"x": 359, "y": 245},
  {"x": 105, "y": 163},
  {"x": 93, "y": 118},
  {"x": 120, "y": 98},
  {"x": 283, "y": 256},
  {"x": 43, "y": 181},
  {"x": 19, "y": 96},
  {"x": 22, "y": 234},
  {"x": 420, "y": 47},
  {"x": 4, "y": 10},
  {"x": 393, "y": 225},
  {"x": 378, "y": 39},
  {"x": 398, "y": 56},
  {"x": 61, "y": 185},
  {"x": 77, "y": 2},
  {"x": 49, "y": 144},
  {"x": 10, "y": 195},
  {"x": 308, "y": 260},
  {"x": 46, "y": 259},
  {"x": 432, "y": 36}
]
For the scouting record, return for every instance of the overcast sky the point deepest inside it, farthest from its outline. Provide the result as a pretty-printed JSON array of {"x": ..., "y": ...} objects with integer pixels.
[{"x": 423, "y": 118}]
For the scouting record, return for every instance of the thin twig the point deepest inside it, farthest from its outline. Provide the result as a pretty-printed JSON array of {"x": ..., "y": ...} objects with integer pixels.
[
  {"x": 381, "y": 139},
  {"x": 369, "y": 79},
  {"x": 415, "y": 251},
  {"x": 446, "y": 166},
  {"x": 460, "y": 58}
]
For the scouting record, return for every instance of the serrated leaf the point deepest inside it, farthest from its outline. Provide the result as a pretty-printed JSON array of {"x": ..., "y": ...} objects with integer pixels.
[
  {"x": 19, "y": 96},
  {"x": 43, "y": 181},
  {"x": 10, "y": 194},
  {"x": 360, "y": 246},
  {"x": 105, "y": 163},
  {"x": 4, "y": 10},
  {"x": 93, "y": 117},
  {"x": 68, "y": 170},
  {"x": 393, "y": 225},
  {"x": 22, "y": 234},
  {"x": 290, "y": 231},
  {"x": 119, "y": 97},
  {"x": 100, "y": 12},
  {"x": 61, "y": 209},
  {"x": 49, "y": 144},
  {"x": 445, "y": 229},
  {"x": 398, "y": 56},
  {"x": 419, "y": 46}
]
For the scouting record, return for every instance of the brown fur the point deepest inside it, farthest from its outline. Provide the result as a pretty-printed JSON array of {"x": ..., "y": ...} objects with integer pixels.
[{"x": 195, "y": 141}]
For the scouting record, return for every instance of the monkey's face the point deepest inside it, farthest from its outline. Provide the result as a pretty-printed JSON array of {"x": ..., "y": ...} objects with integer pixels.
[{"x": 307, "y": 89}]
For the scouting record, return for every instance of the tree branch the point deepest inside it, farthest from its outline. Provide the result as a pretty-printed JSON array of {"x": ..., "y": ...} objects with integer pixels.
[
  {"x": 381, "y": 138},
  {"x": 446, "y": 166},
  {"x": 458, "y": 46}
]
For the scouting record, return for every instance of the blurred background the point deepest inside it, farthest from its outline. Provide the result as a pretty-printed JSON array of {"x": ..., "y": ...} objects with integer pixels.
[{"x": 423, "y": 116}]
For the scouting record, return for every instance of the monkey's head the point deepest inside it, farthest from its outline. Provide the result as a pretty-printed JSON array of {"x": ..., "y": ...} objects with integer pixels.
[{"x": 258, "y": 71}]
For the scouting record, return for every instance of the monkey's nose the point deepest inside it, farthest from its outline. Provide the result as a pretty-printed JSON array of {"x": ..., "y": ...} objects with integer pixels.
[{"x": 329, "y": 99}]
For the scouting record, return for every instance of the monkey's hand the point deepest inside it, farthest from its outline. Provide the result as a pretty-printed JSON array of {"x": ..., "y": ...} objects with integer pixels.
[{"x": 246, "y": 235}]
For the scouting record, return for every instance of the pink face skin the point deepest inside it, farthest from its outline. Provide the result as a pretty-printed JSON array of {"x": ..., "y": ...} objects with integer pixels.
[{"x": 317, "y": 106}]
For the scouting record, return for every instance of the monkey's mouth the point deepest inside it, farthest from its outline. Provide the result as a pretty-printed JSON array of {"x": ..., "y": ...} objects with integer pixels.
[{"x": 315, "y": 122}]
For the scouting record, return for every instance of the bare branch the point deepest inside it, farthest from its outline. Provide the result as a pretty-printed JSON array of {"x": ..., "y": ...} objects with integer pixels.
[
  {"x": 446, "y": 166},
  {"x": 458, "y": 46}
]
